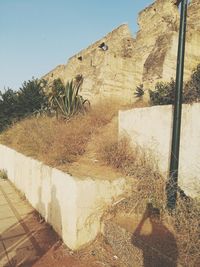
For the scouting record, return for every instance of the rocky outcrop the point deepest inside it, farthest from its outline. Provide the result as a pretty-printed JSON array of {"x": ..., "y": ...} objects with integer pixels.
[
  {"x": 116, "y": 64},
  {"x": 158, "y": 23}
]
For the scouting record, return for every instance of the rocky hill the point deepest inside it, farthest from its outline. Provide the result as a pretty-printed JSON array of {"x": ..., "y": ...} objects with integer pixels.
[{"x": 116, "y": 64}]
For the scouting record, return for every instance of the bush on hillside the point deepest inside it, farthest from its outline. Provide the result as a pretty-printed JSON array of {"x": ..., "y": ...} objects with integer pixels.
[
  {"x": 139, "y": 92},
  {"x": 65, "y": 100},
  {"x": 31, "y": 97},
  {"x": 192, "y": 88},
  {"x": 8, "y": 104},
  {"x": 164, "y": 93},
  {"x": 28, "y": 99}
]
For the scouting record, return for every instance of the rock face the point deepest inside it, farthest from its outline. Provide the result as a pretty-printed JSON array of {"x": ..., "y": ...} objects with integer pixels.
[
  {"x": 115, "y": 65},
  {"x": 105, "y": 72}
]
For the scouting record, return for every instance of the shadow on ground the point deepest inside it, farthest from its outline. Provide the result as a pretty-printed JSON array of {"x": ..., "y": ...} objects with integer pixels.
[
  {"x": 25, "y": 242},
  {"x": 157, "y": 242},
  {"x": 24, "y": 237}
]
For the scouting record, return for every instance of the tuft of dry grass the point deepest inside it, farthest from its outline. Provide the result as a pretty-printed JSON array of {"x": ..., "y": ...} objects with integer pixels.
[
  {"x": 3, "y": 174},
  {"x": 122, "y": 156}
]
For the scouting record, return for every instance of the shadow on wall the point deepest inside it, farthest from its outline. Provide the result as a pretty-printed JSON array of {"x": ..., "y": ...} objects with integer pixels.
[
  {"x": 159, "y": 246},
  {"x": 41, "y": 206},
  {"x": 54, "y": 212}
]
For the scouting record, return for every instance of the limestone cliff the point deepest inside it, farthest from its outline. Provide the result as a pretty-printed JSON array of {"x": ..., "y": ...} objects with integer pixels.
[
  {"x": 105, "y": 72},
  {"x": 116, "y": 64},
  {"x": 157, "y": 23}
]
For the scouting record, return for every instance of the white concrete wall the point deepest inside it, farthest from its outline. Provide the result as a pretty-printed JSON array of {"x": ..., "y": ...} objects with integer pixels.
[
  {"x": 151, "y": 129},
  {"x": 72, "y": 206}
]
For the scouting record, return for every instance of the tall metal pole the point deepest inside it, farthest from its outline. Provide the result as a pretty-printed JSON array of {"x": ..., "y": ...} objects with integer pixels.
[{"x": 172, "y": 184}]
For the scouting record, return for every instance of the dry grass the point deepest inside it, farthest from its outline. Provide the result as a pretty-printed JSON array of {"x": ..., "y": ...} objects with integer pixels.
[
  {"x": 149, "y": 186},
  {"x": 133, "y": 162},
  {"x": 58, "y": 142},
  {"x": 187, "y": 231},
  {"x": 3, "y": 174},
  {"x": 124, "y": 158},
  {"x": 184, "y": 223}
]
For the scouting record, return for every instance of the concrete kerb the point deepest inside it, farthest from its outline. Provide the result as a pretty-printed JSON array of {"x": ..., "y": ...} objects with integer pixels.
[{"x": 72, "y": 206}]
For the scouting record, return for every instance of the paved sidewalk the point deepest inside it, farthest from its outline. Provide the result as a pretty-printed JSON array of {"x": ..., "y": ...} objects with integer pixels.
[
  {"x": 17, "y": 244},
  {"x": 23, "y": 239},
  {"x": 27, "y": 241}
]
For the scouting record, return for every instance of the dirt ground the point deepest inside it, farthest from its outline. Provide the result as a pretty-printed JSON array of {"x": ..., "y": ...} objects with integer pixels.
[
  {"x": 55, "y": 253},
  {"x": 49, "y": 250}
]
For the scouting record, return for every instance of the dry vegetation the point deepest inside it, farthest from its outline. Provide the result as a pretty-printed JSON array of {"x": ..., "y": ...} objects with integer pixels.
[
  {"x": 123, "y": 157},
  {"x": 3, "y": 174},
  {"x": 149, "y": 187},
  {"x": 58, "y": 142}
]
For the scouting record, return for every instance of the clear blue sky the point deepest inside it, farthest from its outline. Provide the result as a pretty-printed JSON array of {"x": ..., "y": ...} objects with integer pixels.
[{"x": 38, "y": 35}]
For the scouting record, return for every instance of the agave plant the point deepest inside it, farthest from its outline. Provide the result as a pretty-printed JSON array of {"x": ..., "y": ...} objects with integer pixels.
[
  {"x": 65, "y": 100},
  {"x": 139, "y": 92}
]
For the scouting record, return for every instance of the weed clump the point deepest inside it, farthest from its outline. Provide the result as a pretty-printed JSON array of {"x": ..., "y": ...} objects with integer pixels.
[
  {"x": 3, "y": 174},
  {"x": 126, "y": 158}
]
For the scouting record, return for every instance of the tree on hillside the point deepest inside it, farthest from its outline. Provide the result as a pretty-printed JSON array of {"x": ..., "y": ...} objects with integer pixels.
[
  {"x": 31, "y": 97},
  {"x": 8, "y": 107},
  {"x": 28, "y": 99}
]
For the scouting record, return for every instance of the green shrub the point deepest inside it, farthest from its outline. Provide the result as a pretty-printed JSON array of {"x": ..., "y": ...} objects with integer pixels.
[
  {"x": 65, "y": 100},
  {"x": 8, "y": 104},
  {"x": 163, "y": 94},
  {"x": 139, "y": 92},
  {"x": 28, "y": 99},
  {"x": 31, "y": 97},
  {"x": 192, "y": 88}
]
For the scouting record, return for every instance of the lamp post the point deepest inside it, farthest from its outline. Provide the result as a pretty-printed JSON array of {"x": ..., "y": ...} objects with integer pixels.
[{"x": 172, "y": 183}]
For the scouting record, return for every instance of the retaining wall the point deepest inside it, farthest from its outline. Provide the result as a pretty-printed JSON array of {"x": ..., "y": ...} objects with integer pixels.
[
  {"x": 73, "y": 207},
  {"x": 151, "y": 129}
]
